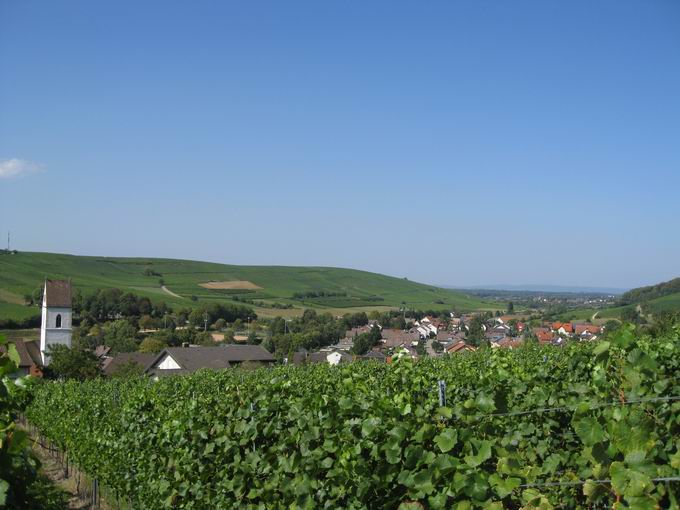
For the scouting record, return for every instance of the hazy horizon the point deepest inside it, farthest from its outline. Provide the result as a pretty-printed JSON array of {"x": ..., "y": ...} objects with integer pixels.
[{"x": 453, "y": 144}]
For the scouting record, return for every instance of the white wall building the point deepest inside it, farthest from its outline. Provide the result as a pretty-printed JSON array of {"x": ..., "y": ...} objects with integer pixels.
[{"x": 57, "y": 315}]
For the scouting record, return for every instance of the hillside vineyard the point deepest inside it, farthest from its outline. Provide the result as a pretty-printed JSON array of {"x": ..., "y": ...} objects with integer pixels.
[{"x": 589, "y": 424}]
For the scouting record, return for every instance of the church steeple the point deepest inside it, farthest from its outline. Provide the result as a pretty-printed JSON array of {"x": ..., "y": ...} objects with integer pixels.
[{"x": 57, "y": 315}]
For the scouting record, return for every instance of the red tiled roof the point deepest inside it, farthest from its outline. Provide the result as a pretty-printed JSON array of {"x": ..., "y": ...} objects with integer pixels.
[
  {"x": 460, "y": 346},
  {"x": 543, "y": 335},
  {"x": 582, "y": 328},
  {"x": 510, "y": 344}
]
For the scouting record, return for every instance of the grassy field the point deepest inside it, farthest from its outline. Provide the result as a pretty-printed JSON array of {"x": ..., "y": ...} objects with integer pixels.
[
  {"x": 13, "y": 334},
  {"x": 22, "y": 273}
]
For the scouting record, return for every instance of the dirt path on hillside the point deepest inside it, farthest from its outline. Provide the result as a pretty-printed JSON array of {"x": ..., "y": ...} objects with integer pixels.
[{"x": 168, "y": 291}]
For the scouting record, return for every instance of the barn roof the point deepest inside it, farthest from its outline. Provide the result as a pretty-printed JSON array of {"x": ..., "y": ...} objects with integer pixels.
[
  {"x": 191, "y": 359},
  {"x": 142, "y": 359},
  {"x": 58, "y": 293}
]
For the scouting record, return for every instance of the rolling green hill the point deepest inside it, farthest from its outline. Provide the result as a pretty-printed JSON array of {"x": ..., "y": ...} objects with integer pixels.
[
  {"x": 662, "y": 297},
  {"x": 658, "y": 292},
  {"x": 667, "y": 303},
  {"x": 345, "y": 290}
]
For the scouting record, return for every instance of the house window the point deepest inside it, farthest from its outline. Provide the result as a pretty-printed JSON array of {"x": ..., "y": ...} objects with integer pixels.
[{"x": 58, "y": 323}]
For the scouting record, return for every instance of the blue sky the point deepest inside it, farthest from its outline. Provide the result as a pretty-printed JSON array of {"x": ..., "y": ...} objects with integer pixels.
[{"x": 451, "y": 142}]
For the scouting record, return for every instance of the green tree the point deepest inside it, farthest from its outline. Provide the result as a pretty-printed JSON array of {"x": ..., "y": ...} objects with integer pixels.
[
  {"x": 129, "y": 369},
  {"x": 511, "y": 307},
  {"x": 152, "y": 344},
  {"x": 68, "y": 363},
  {"x": 204, "y": 339},
  {"x": 197, "y": 317},
  {"x": 253, "y": 339},
  {"x": 366, "y": 341},
  {"x": 362, "y": 344},
  {"x": 120, "y": 335},
  {"x": 229, "y": 336},
  {"x": 529, "y": 337},
  {"x": 631, "y": 315},
  {"x": 147, "y": 322},
  {"x": 37, "y": 295},
  {"x": 475, "y": 335}
]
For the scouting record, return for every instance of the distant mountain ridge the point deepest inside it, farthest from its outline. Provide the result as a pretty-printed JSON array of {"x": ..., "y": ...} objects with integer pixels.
[{"x": 543, "y": 288}]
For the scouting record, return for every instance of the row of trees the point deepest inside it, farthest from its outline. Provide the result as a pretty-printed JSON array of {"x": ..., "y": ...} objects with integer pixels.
[{"x": 112, "y": 303}]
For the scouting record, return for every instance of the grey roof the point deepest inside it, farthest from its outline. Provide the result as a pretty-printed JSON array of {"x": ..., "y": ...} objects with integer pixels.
[
  {"x": 318, "y": 357},
  {"x": 58, "y": 293},
  {"x": 28, "y": 350},
  {"x": 396, "y": 337},
  {"x": 373, "y": 355},
  {"x": 299, "y": 357},
  {"x": 111, "y": 365},
  {"x": 194, "y": 358}
]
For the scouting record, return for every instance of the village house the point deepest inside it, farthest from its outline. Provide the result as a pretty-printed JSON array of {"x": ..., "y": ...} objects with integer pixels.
[
  {"x": 455, "y": 323},
  {"x": 459, "y": 347},
  {"x": 501, "y": 328},
  {"x": 373, "y": 355},
  {"x": 345, "y": 344},
  {"x": 405, "y": 351},
  {"x": 444, "y": 336},
  {"x": 130, "y": 361},
  {"x": 427, "y": 326},
  {"x": 396, "y": 337},
  {"x": 507, "y": 343},
  {"x": 332, "y": 358},
  {"x": 544, "y": 335},
  {"x": 578, "y": 331},
  {"x": 587, "y": 331},
  {"x": 186, "y": 360},
  {"x": 566, "y": 329}
]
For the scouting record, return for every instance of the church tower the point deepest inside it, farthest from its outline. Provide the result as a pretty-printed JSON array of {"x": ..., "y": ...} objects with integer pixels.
[{"x": 56, "y": 316}]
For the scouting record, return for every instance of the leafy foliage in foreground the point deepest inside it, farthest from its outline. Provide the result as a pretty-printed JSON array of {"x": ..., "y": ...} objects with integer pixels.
[
  {"x": 371, "y": 435},
  {"x": 21, "y": 485}
]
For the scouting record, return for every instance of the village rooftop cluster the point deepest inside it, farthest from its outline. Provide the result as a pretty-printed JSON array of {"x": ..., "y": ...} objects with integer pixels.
[{"x": 428, "y": 336}]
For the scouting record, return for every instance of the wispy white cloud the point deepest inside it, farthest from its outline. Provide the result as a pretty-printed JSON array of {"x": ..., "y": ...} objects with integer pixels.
[{"x": 15, "y": 167}]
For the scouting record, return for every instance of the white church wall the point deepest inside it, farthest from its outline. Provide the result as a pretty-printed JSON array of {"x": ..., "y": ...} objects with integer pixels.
[{"x": 50, "y": 334}]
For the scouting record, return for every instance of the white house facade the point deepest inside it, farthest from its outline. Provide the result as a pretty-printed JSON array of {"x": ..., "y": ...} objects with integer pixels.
[{"x": 168, "y": 363}]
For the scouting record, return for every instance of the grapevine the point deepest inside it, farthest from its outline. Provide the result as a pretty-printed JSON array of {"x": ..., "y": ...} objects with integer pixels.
[{"x": 584, "y": 425}]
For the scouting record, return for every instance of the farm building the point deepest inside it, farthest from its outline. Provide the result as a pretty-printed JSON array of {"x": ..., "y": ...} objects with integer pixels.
[{"x": 185, "y": 360}]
